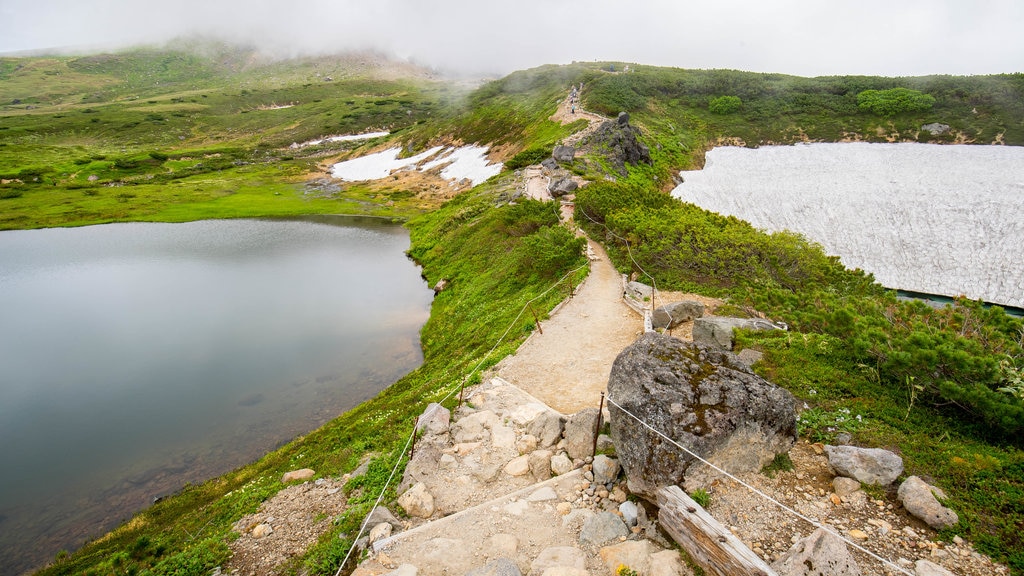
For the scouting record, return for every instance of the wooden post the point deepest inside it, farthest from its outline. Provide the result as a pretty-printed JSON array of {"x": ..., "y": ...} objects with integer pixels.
[
  {"x": 412, "y": 447},
  {"x": 536, "y": 321},
  {"x": 597, "y": 430},
  {"x": 710, "y": 544}
]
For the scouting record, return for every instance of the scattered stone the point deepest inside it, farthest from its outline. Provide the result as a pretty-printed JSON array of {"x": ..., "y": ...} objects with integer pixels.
[
  {"x": 701, "y": 398},
  {"x": 262, "y": 531},
  {"x": 858, "y": 534},
  {"x": 618, "y": 494},
  {"x": 526, "y": 444},
  {"x": 605, "y": 443},
  {"x": 503, "y": 437},
  {"x": 919, "y": 498},
  {"x": 518, "y": 466},
  {"x": 844, "y": 486},
  {"x": 926, "y": 568},
  {"x": 718, "y": 331},
  {"x": 542, "y": 494},
  {"x": 304, "y": 474},
  {"x": 935, "y": 128},
  {"x": 499, "y": 567},
  {"x": 579, "y": 433},
  {"x": 540, "y": 465},
  {"x": 440, "y": 286},
  {"x": 551, "y": 163},
  {"x": 605, "y": 469},
  {"x": 602, "y": 528},
  {"x": 558, "y": 556},
  {"x": 561, "y": 464},
  {"x": 547, "y": 428},
  {"x": 435, "y": 420},
  {"x": 672, "y": 315},
  {"x": 563, "y": 154},
  {"x": 666, "y": 563},
  {"x": 639, "y": 291},
  {"x": 867, "y": 465},
  {"x": 562, "y": 186},
  {"x": 629, "y": 513},
  {"x": 417, "y": 501},
  {"x": 820, "y": 554},
  {"x": 382, "y": 514},
  {"x": 563, "y": 508},
  {"x": 635, "y": 555},
  {"x": 380, "y": 531}
]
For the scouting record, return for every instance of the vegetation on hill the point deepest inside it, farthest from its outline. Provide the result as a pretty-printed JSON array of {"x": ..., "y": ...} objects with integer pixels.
[{"x": 177, "y": 135}]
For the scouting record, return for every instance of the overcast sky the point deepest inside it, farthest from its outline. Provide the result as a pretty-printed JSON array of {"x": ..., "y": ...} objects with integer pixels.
[{"x": 802, "y": 37}]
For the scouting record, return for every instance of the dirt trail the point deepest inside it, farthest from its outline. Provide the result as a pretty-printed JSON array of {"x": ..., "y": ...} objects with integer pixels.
[
  {"x": 567, "y": 366},
  {"x": 565, "y": 115}
]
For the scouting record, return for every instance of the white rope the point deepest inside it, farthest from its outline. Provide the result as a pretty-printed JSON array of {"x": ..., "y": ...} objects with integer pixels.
[{"x": 761, "y": 494}]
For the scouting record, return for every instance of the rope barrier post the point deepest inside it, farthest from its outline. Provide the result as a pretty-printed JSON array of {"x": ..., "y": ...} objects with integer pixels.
[
  {"x": 536, "y": 321},
  {"x": 597, "y": 429},
  {"x": 412, "y": 447}
]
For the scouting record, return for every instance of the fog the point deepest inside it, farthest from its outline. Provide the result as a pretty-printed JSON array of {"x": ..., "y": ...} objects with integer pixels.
[{"x": 802, "y": 37}]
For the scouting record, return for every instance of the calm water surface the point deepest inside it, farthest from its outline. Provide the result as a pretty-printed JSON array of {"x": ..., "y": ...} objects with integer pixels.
[{"x": 137, "y": 357}]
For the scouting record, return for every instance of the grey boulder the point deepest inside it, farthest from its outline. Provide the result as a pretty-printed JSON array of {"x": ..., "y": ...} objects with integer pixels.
[
  {"x": 866, "y": 465},
  {"x": 671, "y": 315}
]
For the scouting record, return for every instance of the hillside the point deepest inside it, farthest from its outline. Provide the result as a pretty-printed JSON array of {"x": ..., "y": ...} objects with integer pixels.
[{"x": 179, "y": 136}]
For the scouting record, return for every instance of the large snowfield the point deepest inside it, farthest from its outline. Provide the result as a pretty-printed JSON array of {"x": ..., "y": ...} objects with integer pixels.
[
  {"x": 938, "y": 219},
  {"x": 466, "y": 162}
]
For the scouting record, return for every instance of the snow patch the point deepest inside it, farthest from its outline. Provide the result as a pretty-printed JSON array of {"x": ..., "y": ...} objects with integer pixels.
[
  {"x": 939, "y": 219},
  {"x": 466, "y": 162},
  {"x": 342, "y": 138}
]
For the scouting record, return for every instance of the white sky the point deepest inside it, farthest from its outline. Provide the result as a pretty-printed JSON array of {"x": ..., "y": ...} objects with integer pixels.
[{"x": 802, "y": 37}]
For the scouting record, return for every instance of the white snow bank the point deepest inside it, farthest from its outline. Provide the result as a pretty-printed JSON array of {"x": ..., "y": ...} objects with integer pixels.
[
  {"x": 342, "y": 138},
  {"x": 938, "y": 219},
  {"x": 466, "y": 162}
]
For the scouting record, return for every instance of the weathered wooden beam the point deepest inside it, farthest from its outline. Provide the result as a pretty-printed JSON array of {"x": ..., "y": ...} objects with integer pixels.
[{"x": 709, "y": 543}]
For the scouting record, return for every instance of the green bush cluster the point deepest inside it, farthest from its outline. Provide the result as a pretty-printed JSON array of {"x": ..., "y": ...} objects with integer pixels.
[
  {"x": 529, "y": 157},
  {"x": 725, "y": 105},
  {"x": 894, "y": 101}
]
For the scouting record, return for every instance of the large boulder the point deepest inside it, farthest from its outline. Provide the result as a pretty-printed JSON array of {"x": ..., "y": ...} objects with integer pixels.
[
  {"x": 563, "y": 153},
  {"x": 701, "y": 398},
  {"x": 919, "y": 499},
  {"x": 866, "y": 465},
  {"x": 718, "y": 331},
  {"x": 820, "y": 554},
  {"x": 562, "y": 186},
  {"x": 671, "y": 315},
  {"x": 620, "y": 143},
  {"x": 639, "y": 291}
]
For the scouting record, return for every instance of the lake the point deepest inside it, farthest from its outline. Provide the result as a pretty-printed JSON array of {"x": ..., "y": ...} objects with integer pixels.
[
  {"x": 135, "y": 358},
  {"x": 927, "y": 218}
]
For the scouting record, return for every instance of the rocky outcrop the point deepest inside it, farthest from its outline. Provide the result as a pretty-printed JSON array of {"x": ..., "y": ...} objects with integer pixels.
[
  {"x": 639, "y": 291},
  {"x": 564, "y": 154},
  {"x": 935, "y": 128},
  {"x": 701, "y": 398},
  {"x": 672, "y": 315},
  {"x": 919, "y": 499},
  {"x": 620, "y": 143},
  {"x": 820, "y": 554},
  {"x": 719, "y": 331},
  {"x": 866, "y": 465}
]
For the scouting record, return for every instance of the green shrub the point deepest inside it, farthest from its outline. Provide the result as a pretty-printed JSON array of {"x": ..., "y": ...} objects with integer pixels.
[
  {"x": 894, "y": 101},
  {"x": 725, "y": 104},
  {"x": 529, "y": 157}
]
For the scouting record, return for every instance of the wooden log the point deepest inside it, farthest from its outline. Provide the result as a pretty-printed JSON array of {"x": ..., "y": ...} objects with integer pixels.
[{"x": 710, "y": 544}]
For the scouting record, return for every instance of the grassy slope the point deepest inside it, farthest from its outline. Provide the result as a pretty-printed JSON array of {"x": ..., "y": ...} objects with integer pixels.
[{"x": 485, "y": 251}]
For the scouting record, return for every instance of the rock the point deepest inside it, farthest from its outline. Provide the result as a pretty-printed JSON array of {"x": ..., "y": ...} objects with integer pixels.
[
  {"x": 518, "y": 466},
  {"x": 844, "y": 486},
  {"x": 703, "y": 399},
  {"x": 438, "y": 288},
  {"x": 499, "y": 567},
  {"x": 547, "y": 428},
  {"x": 635, "y": 555},
  {"x": 605, "y": 469},
  {"x": 92, "y": 178},
  {"x": 866, "y": 465},
  {"x": 540, "y": 465},
  {"x": 717, "y": 331},
  {"x": 918, "y": 497},
  {"x": 629, "y": 513},
  {"x": 563, "y": 154},
  {"x": 551, "y": 163},
  {"x": 623, "y": 119},
  {"x": 562, "y": 186},
  {"x": 526, "y": 444},
  {"x": 434, "y": 421},
  {"x": 639, "y": 291},
  {"x": 262, "y": 531},
  {"x": 404, "y": 570},
  {"x": 579, "y": 433},
  {"x": 556, "y": 556},
  {"x": 380, "y": 531},
  {"x": 304, "y": 474},
  {"x": 749, "y": 356},
  {"x": 935, "y": 128},
  {"x": 417, "y": 501},
  {"x": 666, "y": 563},
  {"x": 382, "y": 514},
  {"x": 858, "y": 534},
  {"x": 503, "y": 437},
  {"x": 926, "y": 568},
  {"x": 820, "y": 554},
  {"x": 561, "y": 464},
  {"x": 605, "y": 443},
  {"x": 671, "y": 315},
  {"x": 602, "y": 528},
  {"x": 474, "y": 428}
]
